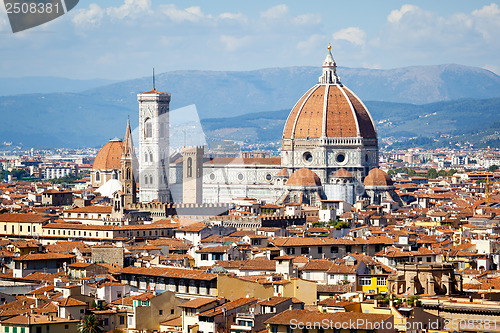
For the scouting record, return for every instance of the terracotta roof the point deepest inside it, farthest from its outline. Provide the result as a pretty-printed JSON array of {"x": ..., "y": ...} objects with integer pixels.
[
  {"x": 109, "y": 156},
  {"x": 170, "y": 272},
  {"x": 228, "y": 306},
  {"x": 67, "y": 247},
  {"x": 173, "y": 244},
  {"x": 130, "y": 300},
  {"x": 44, "y": 256},
  {"x": 193, "y": 227},
  {"x": 317, "y": 265},
  {"x": 36, "y": 319},
  {"x": 196, "y": 303},
  {"x": 154, "y": 91},
  {"x": 91, "y": 209},
  {"x": 25, "y": 218},
  {"x": 303, "y": 177},
  {"x": 70, "y": 301},
  {"x": 275, "y": 300},
  {"x": 213, "y": 249},
  {"x": 80, "y": 265},
  {"x": 176, "y": 322},
  {"x": 377, "y": 177},
  {"x": 336, "y": 288}
]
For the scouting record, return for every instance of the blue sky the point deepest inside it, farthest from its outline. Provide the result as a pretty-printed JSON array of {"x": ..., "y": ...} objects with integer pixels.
[{"x": 125, "y": 39}]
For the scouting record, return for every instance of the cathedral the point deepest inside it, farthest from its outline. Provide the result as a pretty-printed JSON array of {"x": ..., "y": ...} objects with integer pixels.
[{"x": 329, "y": 152}]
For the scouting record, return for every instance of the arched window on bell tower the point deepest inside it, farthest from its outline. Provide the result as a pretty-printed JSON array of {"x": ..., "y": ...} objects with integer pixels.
[{"x": 148, "y": 128}]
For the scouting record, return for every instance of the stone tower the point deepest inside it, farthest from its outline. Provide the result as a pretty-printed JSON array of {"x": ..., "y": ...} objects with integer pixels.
[
  {"x": 127, "y": 169},
  {"x": 192, "y": 174},
  {"x": 154, "y": 146}
]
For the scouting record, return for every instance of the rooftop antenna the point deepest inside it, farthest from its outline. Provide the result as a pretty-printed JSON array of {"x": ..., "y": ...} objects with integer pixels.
[{"x": 154, "y": 88}]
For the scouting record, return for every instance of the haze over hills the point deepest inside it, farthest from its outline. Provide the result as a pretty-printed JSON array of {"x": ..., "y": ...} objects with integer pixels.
[
  {"x": 46, "y": 84},
  {"x": 92, "y": 117}
]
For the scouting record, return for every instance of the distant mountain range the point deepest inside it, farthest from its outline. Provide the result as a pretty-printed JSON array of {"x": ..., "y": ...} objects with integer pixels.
[
  {"x": 46, "y": 84},
  {"x": 401, "y": 125},
  {"x": 397, "y": 98}
]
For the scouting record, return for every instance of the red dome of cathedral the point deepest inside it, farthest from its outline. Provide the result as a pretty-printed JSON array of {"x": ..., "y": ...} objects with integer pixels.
[
  {"x": 329, "y": 109},
  {"x": 109, "y": 157}
]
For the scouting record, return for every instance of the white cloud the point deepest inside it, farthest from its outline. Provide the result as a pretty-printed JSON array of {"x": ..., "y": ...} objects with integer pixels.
[
  {"x": 233, "y": 16},
  {"x": 130, "y": 8},
  {"x": 487, "y": 21},
  {"x": 190, "y": 14},
  {"x": 397, "y": 14},
  {"x": 232, "y": 43},
  {"x": 88, "y": 17},
  {"x": 353, "y": 35},
  {"x": 275, "y": 13}
]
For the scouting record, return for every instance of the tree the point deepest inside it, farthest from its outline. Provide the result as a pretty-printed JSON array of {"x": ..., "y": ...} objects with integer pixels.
[
  {"x": 432, "y": 173},
  {"x": 493, "y": 168},
  {"x": 390, "y": 172},
  {"x": 341, "y": 225},
  {"x": 411, "y": 172},
  {"x": 413, "y": 300},
  {"x": 18, "y": 173},
  {"x": 451, "y": 172},
  {"x": 442, "y": 173},
  {"x": 89, "y": 324}
]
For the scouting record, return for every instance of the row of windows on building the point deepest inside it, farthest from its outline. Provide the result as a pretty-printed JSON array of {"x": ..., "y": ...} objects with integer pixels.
[
  {"x": 305, "y": 250},
  {"x": 215, "y": 256},
  {"x": 96, "y": 233},
  {"x": 20, "y": 228},
  {"x": 367, "y": 281},
  {"x": 38, "y": 329}
]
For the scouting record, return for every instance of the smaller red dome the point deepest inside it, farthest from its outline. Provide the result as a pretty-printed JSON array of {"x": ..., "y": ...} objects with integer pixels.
[
  {"x": 303, "y": 177},
  {"x": 377, "y": 177},
  {"x": 109, "y": 157},
  {"x": 282, "y": 173}
]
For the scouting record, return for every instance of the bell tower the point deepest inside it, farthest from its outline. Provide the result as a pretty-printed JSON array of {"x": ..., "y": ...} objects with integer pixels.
[
  {"x": 127, "y": 169},
  {"x": 153, "y": 145}
]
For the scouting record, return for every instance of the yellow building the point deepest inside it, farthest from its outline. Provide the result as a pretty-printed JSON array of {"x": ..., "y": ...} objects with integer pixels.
[
  {"x": 373, "y": 283},
  {"x": 22, "y": 225}
]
